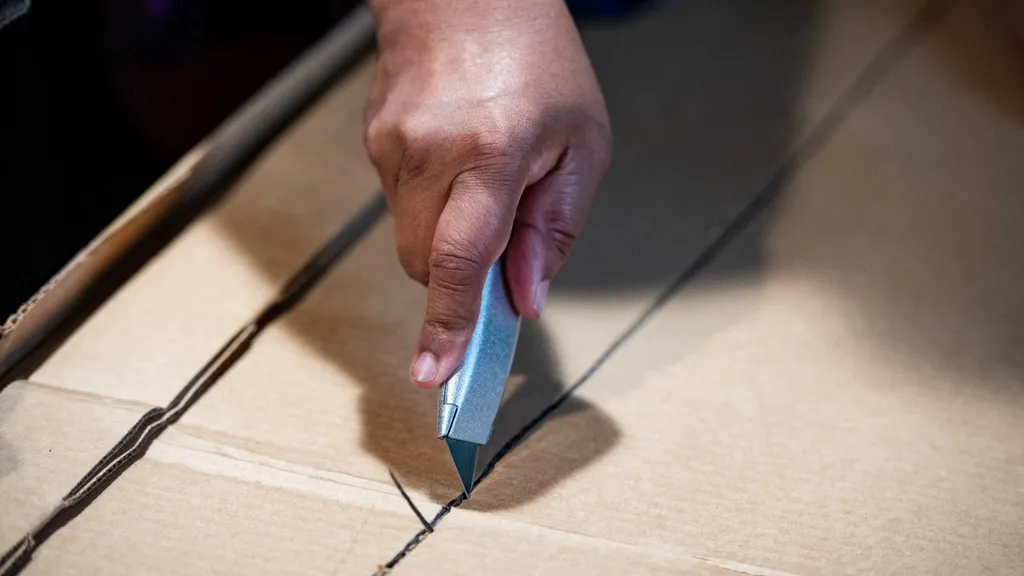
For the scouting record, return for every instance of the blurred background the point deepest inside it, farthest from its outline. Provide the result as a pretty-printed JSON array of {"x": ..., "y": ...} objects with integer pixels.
[{"x": 99, "y": 98}]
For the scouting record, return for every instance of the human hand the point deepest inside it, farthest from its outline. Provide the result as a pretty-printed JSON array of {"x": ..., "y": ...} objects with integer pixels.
[{"x": 488, "y": 129}]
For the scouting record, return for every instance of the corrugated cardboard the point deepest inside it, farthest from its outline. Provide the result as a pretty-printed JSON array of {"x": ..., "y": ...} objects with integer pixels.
[
  {"x": 841, "y": 393},
  {"x": 838, "y": 393},
  {"x": 193, "y": 182}
]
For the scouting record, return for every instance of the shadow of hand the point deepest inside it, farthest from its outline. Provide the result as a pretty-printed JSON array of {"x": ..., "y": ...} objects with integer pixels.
[{"x": 363, "y": 317}]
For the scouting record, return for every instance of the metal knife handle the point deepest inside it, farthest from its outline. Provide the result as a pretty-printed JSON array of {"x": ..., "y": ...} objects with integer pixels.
[{"x": 468, "y": 401}]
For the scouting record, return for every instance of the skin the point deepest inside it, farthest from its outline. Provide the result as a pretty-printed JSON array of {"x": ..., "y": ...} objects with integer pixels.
[
  {"x": 487, "y": 126},
  {"x": 488, "y": 129}
]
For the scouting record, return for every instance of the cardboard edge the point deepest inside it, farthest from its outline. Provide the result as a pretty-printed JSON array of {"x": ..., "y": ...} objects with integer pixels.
[
  {"x": 193, "y": 182},
  {"x": 56, "y": 299}
]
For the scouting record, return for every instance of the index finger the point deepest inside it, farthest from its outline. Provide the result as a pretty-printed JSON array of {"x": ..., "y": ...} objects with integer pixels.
[{"x": 471, "y": 234}]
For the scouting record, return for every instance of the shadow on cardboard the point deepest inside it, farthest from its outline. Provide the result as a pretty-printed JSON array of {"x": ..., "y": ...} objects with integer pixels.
[{"x": 703, "y": 100}]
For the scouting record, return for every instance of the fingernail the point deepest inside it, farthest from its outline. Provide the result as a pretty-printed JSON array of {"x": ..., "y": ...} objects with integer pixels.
[
  {"x": 424, "y": 369},
  {"x": 540, "y": 295}
]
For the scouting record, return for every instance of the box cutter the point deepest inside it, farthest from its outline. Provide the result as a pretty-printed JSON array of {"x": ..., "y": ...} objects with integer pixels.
[{"x": 468, "y": 401}]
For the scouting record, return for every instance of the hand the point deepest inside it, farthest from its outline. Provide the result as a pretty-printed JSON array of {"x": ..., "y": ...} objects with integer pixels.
[{"x": 488, "y": 129}]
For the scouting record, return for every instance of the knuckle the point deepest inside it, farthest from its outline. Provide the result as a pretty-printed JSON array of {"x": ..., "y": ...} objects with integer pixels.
[
  {"x": 446, "y": 323},
  {"x": 562, "y": 239},
  {"x": 491, "y": 143},
  {"x": 412, "y": 265},
  {"x": 414, "y": 164},
  {"x": 408, "y": 139},
  {"x": 413, "y": 134},
  {"x": 455, "y": 270},
  {"x": 563, "y": 223},
  {"x": 375, "y": 139},
  {"x": 490, "y": 146},
  {"x": 418, "y": 143}
]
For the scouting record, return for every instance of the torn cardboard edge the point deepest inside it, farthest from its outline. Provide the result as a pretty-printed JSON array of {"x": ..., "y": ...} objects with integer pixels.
[{"x": 190, "y": 186}]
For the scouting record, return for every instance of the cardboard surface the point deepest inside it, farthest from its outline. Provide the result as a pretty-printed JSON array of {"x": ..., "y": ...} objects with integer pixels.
[
  {"x": 841, "y": 393},
  {"x": 332, "y": 375},
  {"x": 174, "y": 314},
  {"x": 190, "y": 508},
  {"x": 478, "y": 543},
  {"x": 49, "y": 438},
  {"x": 838, "y": 394}
]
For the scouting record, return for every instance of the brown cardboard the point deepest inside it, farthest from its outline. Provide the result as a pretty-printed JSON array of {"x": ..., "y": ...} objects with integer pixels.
[
  {"x": 242, "y": 518},
  {"x": 839, "y": 393},
  {"x": 478, "y": 543},
  {"x": 49, "y": 437},
  {"x": 188, "y": 186},
  {"x": 175, "y": 313}
]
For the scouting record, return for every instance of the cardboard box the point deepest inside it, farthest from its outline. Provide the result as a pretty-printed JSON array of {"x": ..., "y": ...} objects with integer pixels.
[{"x": 828, "y": 383}]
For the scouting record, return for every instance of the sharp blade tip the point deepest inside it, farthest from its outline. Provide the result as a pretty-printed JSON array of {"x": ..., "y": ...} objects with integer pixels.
[{"x": 464, "y": 457}]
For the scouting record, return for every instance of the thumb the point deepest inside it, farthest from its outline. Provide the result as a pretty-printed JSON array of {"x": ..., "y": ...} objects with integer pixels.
[{"x": 471, "y": 234}]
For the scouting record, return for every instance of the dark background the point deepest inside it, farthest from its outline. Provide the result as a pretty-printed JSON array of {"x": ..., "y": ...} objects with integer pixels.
[{"x": 98, "y": 99}]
